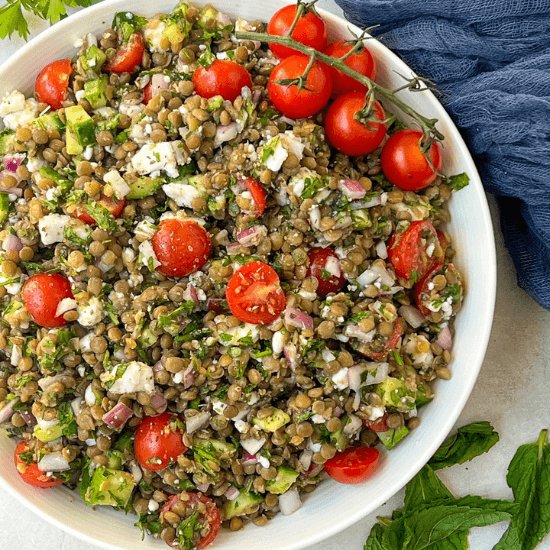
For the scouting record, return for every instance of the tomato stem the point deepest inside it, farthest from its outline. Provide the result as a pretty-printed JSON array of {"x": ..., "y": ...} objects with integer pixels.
[{"x": 427, "y": 125}]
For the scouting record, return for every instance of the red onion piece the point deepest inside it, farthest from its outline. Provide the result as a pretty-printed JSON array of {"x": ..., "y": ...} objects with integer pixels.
[
  {"x": 203, "y": 487},
  {"x": 18, "y": 192},
  {"x": 256, "y": 95},
  {"x": 290, "y": 353},
  {"x": 188, "y": 377},
  {"x": 249, "y": 460},
  {"x": 313, "y": 470},
  {"x": 53, "y": 462},
  {"x": 305, "y": 458},
  {"x": 28, "y": 417},
  {"x": 353, "y": 426},
  {"x": 290, "y": 502},
  {"x": 332, "y": 265},
  {"x": 382, "y": 250},
  {"x": 12, "y": 243},
  {"x": 252, "y": 235},
  {"x": 7, "y": 412},
  {"x": 190, "y": 294},
  {"x": 352, "y": 189},
  {"x": 117, "y": 416},
  {"x": 412, "y": 315},
  {"x": 445, "y": 340},
  {"x": 158, "y": 82},
  {"x": 354, "y": 377},
  {"x": 226, "y": 133},
  {"x": 158, "y": 366},
  {"x": 232, "y": 493},
  {"x": 158, "y": 402},
  {"x": 338, "y": 411},
  {"x": 375, "y": 201},
  {"x": 194, "y": 423},
  {"x": 223, "y": 19},
  {"x": 233, "y": 248},
  {"x": 12, "y": 163},
  {"x": 65, "y": 305},
  {"x": 353, "y": 331},
  {"x": 296, "y": 318}
]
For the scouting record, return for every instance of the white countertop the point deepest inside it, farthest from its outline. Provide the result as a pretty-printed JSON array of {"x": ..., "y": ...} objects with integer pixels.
[{"x": 512, "y": 392}]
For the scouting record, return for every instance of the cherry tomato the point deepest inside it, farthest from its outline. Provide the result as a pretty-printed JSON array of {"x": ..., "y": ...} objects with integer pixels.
[
  {"x": 29, "y": 471},
  {"x": 257, "y": 191},
  {"x": 181, "y": 247},
  {"x": 345, "y": 133},
  {"x": 115, "y": 207},
  {"x": 362, "y": 62},
  {"x": 380, "y": 425},
  {"x": 159, "y": 441},
  {"x": 42, "y": 293},
  {"x": 353, "y": 465},
  {"x": 389, "y": 344},
  {"x": 254, "y": 294},
  {"x": 330, "y": 280},
  {"x": 426, "y": 294},
  {"x": 304, "y": 103},
  {"x": 51, "y": 84},
  {"x": 223, "y": 77},
  {"x": 310, "y": 30},
  {"x": 414, "y": 252},
  {"x": 128, "y": 57},
  {"x": 209, "y": 518},
  {"x": 147, "y": 93},
  {"x": 405, "y": 165}
]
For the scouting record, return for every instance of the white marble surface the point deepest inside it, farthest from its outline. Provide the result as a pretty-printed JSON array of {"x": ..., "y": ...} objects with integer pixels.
[{"x": 511, "y": 392}]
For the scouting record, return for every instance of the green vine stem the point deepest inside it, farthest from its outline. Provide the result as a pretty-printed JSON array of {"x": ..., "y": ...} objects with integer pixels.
[{"x": 427, "y": 125}]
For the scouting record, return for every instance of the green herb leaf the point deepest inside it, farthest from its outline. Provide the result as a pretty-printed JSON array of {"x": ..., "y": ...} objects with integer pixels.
[
  {"x": 470, "y": 441},
  {"x": 12, "y": 20},
  {"x": 529, "y": 478},
  {"x": 458, "y": 182}
]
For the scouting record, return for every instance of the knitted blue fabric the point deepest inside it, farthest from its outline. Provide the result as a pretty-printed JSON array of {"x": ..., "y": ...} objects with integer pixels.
[{"x": 490, "y": 59}]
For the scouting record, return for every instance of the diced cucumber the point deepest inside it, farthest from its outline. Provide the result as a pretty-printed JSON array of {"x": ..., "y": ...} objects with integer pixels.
[
  {"x": 148, "y": 338},
  {"x": 109, "y": 487},
  {"x": 208, "y": 453},
  {"x": 144, "y": 187},
  {"x": 285, "y": 478},
  {"x": 391, "y": 438},
  {"x": 7, "y": 141},
  {"x": 80, "y": 130},
  {"x": 361, "y": 219},
  {"x": 93, "y": 59},
  {"x": 94, "y": 91},
  {"x": 240, "y": 505},
  {"x": 49, "y": 121},
  {"x": 4, "y": 206}
]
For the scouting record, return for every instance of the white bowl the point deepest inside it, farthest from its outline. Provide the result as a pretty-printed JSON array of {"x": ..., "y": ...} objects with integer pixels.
[{"x": 332, "y": 507}]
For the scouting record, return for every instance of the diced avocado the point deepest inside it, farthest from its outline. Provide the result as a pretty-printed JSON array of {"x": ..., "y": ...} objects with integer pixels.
[
  {"x": 208, "y": 453},
  {"x": 62, "y": 181},
  {"x": 4, "y": 206},
  {"x": 239, "y": 506},
  {"x": 116, "y": 458},
  {"x": 47, "y": 435},
  {"x": 391, "y": 438},
  {"x": 148, "y": 338},
  {"x": 337, "y": 438},
  {"x": 106, "y": 118},
  {"x": 94, "y": 91},
  {"x": 395, "y": 395},
  {"x": 214, "y": 103},
  {"x": 285, "y": 478},
  {"x": 273, "y": 422},
  {"x": 216, "y": 205},
  {"x": 144, "y": 187},
  {"x": 361, "y": 219},
  {"x": 173, "y": 33},
  {"x": 110, "y": 487},
  {"x": 49, "y": 121},
  {"x": 80, "y": 130},
  {"x": 208, "y": 12},
  {"x": 7, "y": 141},
  {"x": 93, "y": 59}
]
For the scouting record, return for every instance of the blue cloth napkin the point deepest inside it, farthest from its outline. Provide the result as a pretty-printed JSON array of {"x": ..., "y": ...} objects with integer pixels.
[{"x": 490, "y": 59}]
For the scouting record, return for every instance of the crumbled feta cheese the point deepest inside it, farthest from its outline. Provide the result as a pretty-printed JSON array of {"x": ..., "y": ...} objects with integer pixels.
[
  {"x": 81, "y": 94},
  {"x": 264, "y": 461},
  {"x": 218, "y": 406},
  {"x": 164, "y": 156},
  {"x": 89, "y": 396},
  {"x": 376, "y": 413},
  {"x": 277, "y": 157},
  {"x": 120, "y": 187},
  {"x": 246, "y": 331},
  {"x": 317, "y": 419},
  {"x": 137, "y": 377},
  {"x": 34, "y": 164},
  {"x": 154, "y": 36},
  {"x": 340, "y": 379},
  {"x": 84, "y": 342},
  {"x": 147, "y": 256},
  {"x": 16, "y": 355},
  {"x": 241, "y": 426},
  {"x": 129, "y": 109},
  {"x": 90, "y": 313},
  {"x": 12, "y": 103},
  {"x": 182, "y": 193},
  {"x": 12, "y": 288},
  {"x": 17, "y": 111},
  {"x": 51, "y": 228},
  {"x": 277, "y": 342}
]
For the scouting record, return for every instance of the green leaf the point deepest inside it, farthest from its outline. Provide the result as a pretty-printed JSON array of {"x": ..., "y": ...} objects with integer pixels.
[
  {"x": 470, "y": 441},
  {"x": 12, "y": 20},
  {"x": 374, "y": 542},
  {"x": 529, "y": 478},
  {"x": 458, "y": 182},
  {"x": 424, "y": 487}
]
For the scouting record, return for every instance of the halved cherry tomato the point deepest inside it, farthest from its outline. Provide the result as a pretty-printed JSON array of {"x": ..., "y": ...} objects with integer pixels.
[
  {"x": 362, "y": 62},
  {"x": 310, "y": 30},
  {"x": 257, "y": 191},
  {"x": 115, "y": 207},
  {"x": 42, "y": 293},
  {"x": 413, "y": 252},
  {"x": 380, "y": 425},
  {"x": 223, "y": 77},
  {"x": 147, "y": 93},
  {"x": 347, "y": 134},
  {"x": 306, "y": 102},
  {"x": 51, "y": 84},
  {"x": 159, "y": 441},
  {"x": 254, "y": 294},
  {"x": 128, "y": 57},
  {"x": 391, "y": 343},
  {"x": 426, "y": 293},
  {"x": 405, "y": 165},
  {"x": 209, "y": 520},
  {"x": 353, "y": 465},
  {"x": 181, "y": 247},
  {"x": 330, "y": 280},
  {"x": 29, "y": 471}
]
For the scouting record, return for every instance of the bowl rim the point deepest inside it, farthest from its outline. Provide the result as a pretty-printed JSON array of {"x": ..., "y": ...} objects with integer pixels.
[{"x": 482, "y": 336}]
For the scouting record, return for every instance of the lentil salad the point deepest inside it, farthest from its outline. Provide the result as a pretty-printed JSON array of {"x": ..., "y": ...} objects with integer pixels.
[{"x": 239, "y": 373}]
